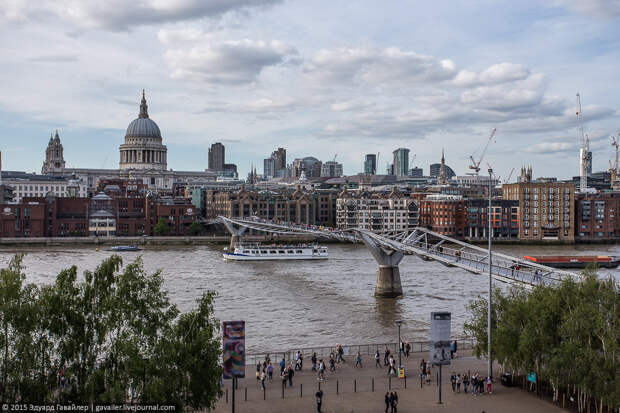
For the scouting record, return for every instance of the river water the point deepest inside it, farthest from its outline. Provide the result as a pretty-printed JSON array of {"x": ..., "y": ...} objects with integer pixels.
[{"x": 290, "y": 304}]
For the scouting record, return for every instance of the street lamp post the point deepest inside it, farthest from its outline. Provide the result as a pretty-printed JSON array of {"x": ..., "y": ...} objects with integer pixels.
[
  {"x": 400, "y": 347},
  {"x": 490, "y": 367}
]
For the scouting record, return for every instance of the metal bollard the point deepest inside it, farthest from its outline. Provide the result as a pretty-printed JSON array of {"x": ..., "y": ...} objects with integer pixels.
[
  {"x": 406, "y": 379},
  {"x": 226, "y": 395},
  {"x": 246, "y": 394},
  {"x": 437, "y": 377},
  {"x": 390, "y": 382},
  {"x": 420, "y": 380},
  {"x": 319, "y": 386},
  {"x": 336, "y": 386},
  {"x": 264, "y": 393},
  {"x": 301, "y": 390},
  {"x": 373, "y": 384},
  {"x": 283, "y": 390},
  {"x": 355, "y": 386}
]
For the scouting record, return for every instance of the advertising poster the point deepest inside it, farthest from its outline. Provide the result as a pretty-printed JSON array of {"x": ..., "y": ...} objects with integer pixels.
[
  {"x": 440, "y": 338},
  {"x": 233, "y": 349}
]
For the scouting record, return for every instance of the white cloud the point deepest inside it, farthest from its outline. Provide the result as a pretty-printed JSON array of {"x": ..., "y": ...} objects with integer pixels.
[
  {"x": 375, "y": 66},
  {"x": 226, "y": 62},
  {"x": 121, "y": 14},
  {"x": 553, "y": 147}
]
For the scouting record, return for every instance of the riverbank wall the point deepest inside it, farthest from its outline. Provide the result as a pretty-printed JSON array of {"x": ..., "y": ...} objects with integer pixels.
[{"x": 177, "y": 240}]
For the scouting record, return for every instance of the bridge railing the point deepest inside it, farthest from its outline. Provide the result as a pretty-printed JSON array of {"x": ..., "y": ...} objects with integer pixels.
[{"x": 350, "y": 350}]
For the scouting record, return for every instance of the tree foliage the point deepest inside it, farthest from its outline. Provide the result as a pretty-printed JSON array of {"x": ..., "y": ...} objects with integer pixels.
[
  {"x": 111, "y": 337},
  {"x": 195, "y": 228},
  {"x": 568, "y": 334},
  {"x": 162, "y": 227}
]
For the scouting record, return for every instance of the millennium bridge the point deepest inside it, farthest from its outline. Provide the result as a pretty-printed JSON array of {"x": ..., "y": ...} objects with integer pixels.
[{"x": 388, "y": 249}]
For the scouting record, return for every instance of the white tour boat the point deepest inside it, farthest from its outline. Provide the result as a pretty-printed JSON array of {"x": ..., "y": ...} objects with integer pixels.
[{"x": 259, "y": 252}]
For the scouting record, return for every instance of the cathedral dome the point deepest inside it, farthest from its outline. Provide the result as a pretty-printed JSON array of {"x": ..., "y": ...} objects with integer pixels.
[{"x": 143, "y": 126}]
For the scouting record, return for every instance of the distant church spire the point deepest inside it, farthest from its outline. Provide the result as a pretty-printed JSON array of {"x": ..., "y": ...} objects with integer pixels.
[{"x": 143, "y": 107}]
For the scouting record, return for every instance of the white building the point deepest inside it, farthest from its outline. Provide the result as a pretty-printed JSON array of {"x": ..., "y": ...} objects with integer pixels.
[
  {"x": 32, "y": 185},
  {"x": 379, "y": 213},
  {"x": 331, "y": 169}
]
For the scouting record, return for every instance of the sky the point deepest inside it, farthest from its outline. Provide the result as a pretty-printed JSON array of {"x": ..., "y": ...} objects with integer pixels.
[{"x": 329, "y": 79}]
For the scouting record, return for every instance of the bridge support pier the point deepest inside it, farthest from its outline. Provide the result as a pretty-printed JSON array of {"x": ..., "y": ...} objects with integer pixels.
[
  {"x": 235, "y": 233},
  {"x": 388, "y": 276}
]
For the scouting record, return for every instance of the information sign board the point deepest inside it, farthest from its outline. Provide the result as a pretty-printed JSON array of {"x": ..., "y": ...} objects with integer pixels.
[
  {"x": 233, "y": 349},
  {"x": 440, "y": 338}
]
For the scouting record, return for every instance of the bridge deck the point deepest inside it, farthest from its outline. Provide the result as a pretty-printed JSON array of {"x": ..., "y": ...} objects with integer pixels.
[{"x": 428, "y": 245}]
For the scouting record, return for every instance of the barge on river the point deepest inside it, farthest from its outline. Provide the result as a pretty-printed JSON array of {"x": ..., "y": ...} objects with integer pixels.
[
  {"x": 260, "y": 252},
  {"x": 574, "y": 261}
]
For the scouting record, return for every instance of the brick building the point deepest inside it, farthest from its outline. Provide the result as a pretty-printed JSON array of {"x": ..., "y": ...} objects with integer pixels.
[
  {"x": 597, "y": 218},
  {"x": 444, "y": 214},
  {"x": 504, "y": 219},
  {"x": 315, "y": 207},
  {"x": 546, "y": 210}
]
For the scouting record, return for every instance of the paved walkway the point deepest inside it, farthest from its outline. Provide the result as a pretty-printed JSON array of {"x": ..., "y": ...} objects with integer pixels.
[{"x": 347, "y": 380}]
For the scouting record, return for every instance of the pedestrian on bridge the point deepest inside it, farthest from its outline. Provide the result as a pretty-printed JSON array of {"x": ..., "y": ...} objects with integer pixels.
[
  {"x": 270, "y": 371},
  {"x": 358, "y": 360},
  {"x": 291, "y": 373},
  {"x": 407, "y": 349},
  {"x": 377, "y": 358},
  {"x": 313, "y": 359},
  {"x": 386, "y": 356},
  {"x": 282, "y": 365}
]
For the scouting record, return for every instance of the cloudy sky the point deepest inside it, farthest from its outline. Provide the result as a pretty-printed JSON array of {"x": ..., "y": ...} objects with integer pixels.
[{"x": 320, "y": 78}]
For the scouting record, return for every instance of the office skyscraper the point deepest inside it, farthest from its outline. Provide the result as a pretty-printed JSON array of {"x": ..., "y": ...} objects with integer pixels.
[
  {"x": 401, "y": 162},
  {"x": 216, "y": 157},
  {"x": 370, "y": 164}
]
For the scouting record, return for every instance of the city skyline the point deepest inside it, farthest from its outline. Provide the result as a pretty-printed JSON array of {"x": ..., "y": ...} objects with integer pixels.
[{"x": 365, "y": 80}]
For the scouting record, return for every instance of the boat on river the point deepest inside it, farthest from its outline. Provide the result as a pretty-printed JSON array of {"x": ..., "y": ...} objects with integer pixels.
[
  {"x": 122, "y": 248},
  {"x": 574, "y": 261},
  {"x": 262, "y": 252}
]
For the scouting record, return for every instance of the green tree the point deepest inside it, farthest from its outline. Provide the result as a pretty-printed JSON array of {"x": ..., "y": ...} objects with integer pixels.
[
  {"x": 566, "y": 333},
  {"x": 114, "y": 333},
  {"x": 162, "y": 227},
  {"x": 195, "y": 228}
]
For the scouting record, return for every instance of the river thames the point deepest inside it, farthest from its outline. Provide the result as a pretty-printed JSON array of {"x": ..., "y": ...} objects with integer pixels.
[{"x": 288, "y": 304}]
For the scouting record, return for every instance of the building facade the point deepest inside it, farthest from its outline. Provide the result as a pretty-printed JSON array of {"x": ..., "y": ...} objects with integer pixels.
[
  {"x": 31, "y": 185},
  {"x": 546, "y": 210},
  {"x": 504, "y": 219},
  {"x": 597, "y": 218},
  {"x": 331, "y": 169},
  {"x": 315, "y": 207},
  {"x": 377, "y": 212},
  {"x": 217, "y": 157},
  {"x": 444, "y": 214}
]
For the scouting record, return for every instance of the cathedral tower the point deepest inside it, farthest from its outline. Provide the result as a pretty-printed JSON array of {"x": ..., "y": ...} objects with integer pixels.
[{"x": 54, "y": 158}]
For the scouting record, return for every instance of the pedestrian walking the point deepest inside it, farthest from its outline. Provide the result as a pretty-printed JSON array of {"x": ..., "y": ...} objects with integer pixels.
[
  {"x": 270, "y": 371},
  {"x": 377, "y": 358},
  {"x": 319, "y": 400},
  {"x": 332, "y": 364},
  {"x": 340, "y": 354},
  {"x": 284, "y": 377},
  {"x": 407, "y": 349},
  {"x": 258, "y": 369},
  {"x": 465, "y": 382},
  {"x": 451, "y": 350},
  {"x": 321, "y": 370},
  {"x": 386, "y": 356},
  {"x": 453, "y": 382},
  {"x": 313, "y": 359},
  {"x": 358, "y": 360},
  {"x": 297, "y": 360},
  {"x": 489, "y": 385},
  {"x": 282, "y": 365},
  {"x": 387, "y": 401},
  {"x": 456, "y": 349},
  {"x": 458, "y": 383},
  {"x": 262, "y": 380},
  {"x": 394, "y": 402},
  {"x": 291, "y": 373}
]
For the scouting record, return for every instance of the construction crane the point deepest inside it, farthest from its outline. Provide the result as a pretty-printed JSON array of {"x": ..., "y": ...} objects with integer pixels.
[
  {"x": 615, "y": 142},
  {"x": 476, "y": 165},
  {"x": 335, "y": 156},
  {"x": 509, "y": 176},
  {"x": 584, "y": 159}
]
